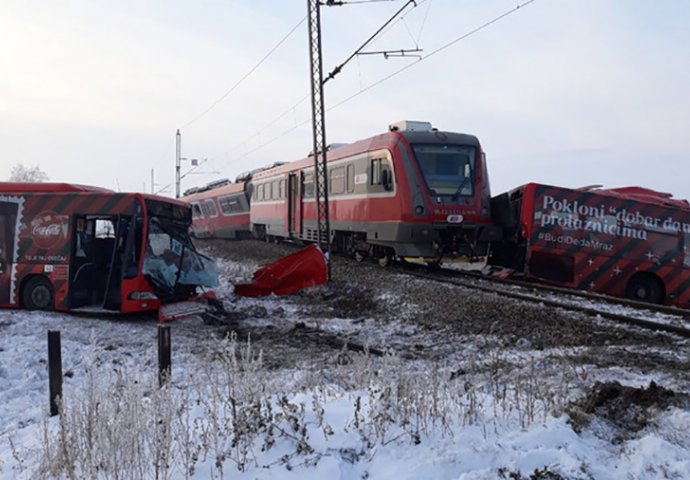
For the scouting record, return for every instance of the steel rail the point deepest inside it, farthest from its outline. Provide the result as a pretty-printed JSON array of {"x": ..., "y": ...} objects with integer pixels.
[
  {"x": 452, "y": 278},
  {"x": 665, "y": 309}
]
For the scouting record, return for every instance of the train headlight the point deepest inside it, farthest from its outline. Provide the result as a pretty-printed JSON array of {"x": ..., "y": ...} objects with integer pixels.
[
  {"x": 455, "y": 218},
  {"x": 419, "y": 210}
]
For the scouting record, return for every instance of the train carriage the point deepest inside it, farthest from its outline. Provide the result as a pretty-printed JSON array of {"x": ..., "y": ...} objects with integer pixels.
[
  {"x": 220, "y": 209},
  {"x": 626, "y": 242},
  {"x": 413, "y": 191}
]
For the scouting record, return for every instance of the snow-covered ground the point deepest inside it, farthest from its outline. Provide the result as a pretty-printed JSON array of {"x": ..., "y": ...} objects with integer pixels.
[{"x": 226, "y": 415}]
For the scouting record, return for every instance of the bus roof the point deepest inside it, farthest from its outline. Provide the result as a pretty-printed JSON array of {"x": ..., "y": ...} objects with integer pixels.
[
  {"x": 48, "y": 187},
  {"x": 638, "y": 194},
  {"x": 58, "y": 187}
]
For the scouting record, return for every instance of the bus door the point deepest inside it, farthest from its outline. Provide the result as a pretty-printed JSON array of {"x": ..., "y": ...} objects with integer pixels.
[
  {"x": 9, "y": 208},
  {"x": 294, "y": 206},
  {"x": 101, "y": 247}
]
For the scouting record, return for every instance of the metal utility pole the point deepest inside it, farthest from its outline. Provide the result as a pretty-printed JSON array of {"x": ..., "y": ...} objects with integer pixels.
[
  {"x": 178, "y": 154},
  {"x": 318, "y": 118}
]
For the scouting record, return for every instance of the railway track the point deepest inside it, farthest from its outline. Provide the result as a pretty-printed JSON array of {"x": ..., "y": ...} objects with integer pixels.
[{"x": 670, "y": 319}]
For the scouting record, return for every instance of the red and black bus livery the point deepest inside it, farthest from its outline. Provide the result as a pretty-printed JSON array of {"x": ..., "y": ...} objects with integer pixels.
[
  {"x": 67, "y": 247},
  {"x": 413, "y": 191},
  {"x": 626, "y": 242}
]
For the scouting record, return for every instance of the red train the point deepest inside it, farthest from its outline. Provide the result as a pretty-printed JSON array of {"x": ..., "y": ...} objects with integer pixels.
[
  {"x": 413, "y": 191},
  {"x": 418, "y": 192},
  {"x": 220, "y": 209}
]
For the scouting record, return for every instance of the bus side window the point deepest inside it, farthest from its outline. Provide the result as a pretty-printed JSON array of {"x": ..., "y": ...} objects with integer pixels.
[
  {"x": 126, "y": 235},
  {"x": 85, "y": 237},
  {"x": 80, "y": 250}
]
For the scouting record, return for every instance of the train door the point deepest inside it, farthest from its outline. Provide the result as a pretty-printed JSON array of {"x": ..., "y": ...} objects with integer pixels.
[{"x": 294, "y": 206}]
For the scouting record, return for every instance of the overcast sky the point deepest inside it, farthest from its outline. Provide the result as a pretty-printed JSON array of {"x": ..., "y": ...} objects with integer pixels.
[{"x": 567, "y": 92}]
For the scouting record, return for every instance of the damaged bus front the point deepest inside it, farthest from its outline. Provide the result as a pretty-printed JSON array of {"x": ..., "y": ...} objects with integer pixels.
[{"x": 172, "y": 265}]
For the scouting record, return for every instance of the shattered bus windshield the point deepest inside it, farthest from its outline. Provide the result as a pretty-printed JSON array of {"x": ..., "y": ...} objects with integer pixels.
[
  {"x": 171, "y": 262},
  {"x": 447, "y": 169}
]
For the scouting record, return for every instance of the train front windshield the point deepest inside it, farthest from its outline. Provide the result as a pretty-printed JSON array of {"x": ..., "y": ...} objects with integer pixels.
[
  {"x": 171, "y": 263},
  {"x": 448, "y": 170}
]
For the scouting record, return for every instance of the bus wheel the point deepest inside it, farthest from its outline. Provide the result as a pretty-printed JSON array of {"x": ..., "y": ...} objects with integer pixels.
[
  {"x": 38, "y": 294},
  {"x": 645, "y": 288}
]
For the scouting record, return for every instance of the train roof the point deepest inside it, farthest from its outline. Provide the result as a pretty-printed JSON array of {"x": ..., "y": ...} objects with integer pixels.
[
  {"x": 201, "y": 194},
  {"x": 384, "y": 140},
  {"x": 440, "y": 137},
  {"x": 224, "y": 186}
]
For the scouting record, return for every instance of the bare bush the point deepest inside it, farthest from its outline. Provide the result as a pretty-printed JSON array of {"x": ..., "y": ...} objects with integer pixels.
[
  {"x": 233, "y": 412},
  {"x": 23, "y": 174}
]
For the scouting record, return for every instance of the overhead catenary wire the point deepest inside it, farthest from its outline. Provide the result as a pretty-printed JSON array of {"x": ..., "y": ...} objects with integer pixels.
[
  {"x": 353, "y": 2},
  {"x": 397, "y": 72},
  {"x": 246, "y": 75},
  {"x": 338, "y": 68},
  {"x": 303, "y": 99},
  {"x": 434, "y": 52},
  {"x": 421, "y": 27},
  {"x": 401, "y": 19},
  {"x": 269, "y": 125}
]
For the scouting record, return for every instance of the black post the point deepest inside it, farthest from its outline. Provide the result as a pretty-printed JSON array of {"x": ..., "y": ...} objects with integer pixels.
[
  {"x": 54, "y": 370},
  {"x": 164, "y": 370}
]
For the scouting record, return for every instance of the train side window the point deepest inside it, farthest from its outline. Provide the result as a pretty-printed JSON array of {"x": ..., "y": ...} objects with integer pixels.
[
  {"x": 281, "y": 189},
  {"x": 387, "y": 179},
  {"x": 375, "y": 171},
  {"x": 336, "y": 177},
  {"x": 229, "y": 205},
  {"x": 196, "y": 211},
  {"x": 350, "y": 178},
  {"x": 260, "y": 191},
  {"x": 308, "y": 185},
  {"x": 211, "y": 208}
]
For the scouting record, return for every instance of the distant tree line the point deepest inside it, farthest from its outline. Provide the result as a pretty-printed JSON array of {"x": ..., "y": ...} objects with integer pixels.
[{"x": 23, "y": 174}]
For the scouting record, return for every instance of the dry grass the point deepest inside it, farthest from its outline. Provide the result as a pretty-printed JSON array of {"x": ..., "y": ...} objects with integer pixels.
[{"x": 229, "y": 413}]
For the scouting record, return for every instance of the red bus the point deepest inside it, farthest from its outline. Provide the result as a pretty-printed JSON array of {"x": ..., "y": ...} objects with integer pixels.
[
  {"x": 73, "y": 247},
  {"x": 625, "y": 242}
]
